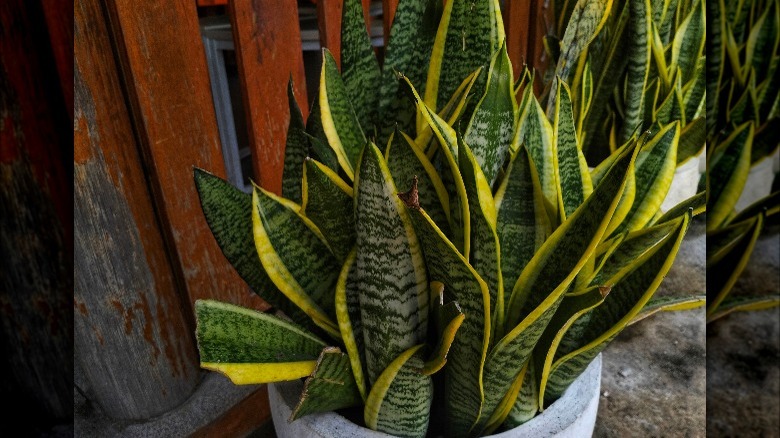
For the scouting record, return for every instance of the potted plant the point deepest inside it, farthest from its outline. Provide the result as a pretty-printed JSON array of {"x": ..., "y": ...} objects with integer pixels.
[
  {"x": 459, "y": 279},
  {"x": 742, "y": 127}
]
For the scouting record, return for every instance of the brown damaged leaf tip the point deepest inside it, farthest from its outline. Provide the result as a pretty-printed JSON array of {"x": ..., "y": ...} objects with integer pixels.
[
  {"x": 411, "y": 198},
  {"x": 604, "y": 290}
]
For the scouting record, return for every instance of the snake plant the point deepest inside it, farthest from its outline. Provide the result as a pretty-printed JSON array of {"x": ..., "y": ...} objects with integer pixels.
[
  {"x": 743, "y": 60},
  {"x": 441, "y": 256}
]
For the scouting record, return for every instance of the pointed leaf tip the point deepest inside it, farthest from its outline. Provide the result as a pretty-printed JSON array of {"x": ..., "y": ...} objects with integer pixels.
[{"x": 411, "y": 198}]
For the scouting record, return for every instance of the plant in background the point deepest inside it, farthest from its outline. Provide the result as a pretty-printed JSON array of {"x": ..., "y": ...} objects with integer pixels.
[
  {"x": 743, "y": 63},
  {"x": 463, "y": 275}
]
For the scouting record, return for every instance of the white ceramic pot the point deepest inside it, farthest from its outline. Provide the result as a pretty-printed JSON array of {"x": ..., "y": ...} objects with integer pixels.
[
  {"x": 572, "y": 416},
  {"x": 759, "y": 181},
  {"x": 685, "y": 182}
]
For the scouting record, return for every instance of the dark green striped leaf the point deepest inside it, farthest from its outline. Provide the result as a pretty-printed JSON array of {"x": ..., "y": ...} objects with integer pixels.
[
  {"x": 462, "y": 376},
  {"x": 253, "y": 347},
  {"x": 522, "y": 223},
  {"x": 697, "y": 202},
  {"x": 669, "y": 304},
  {"x": 744, "y": 304},
  {"x": 347, "y": 304},
  {"x": 327, "y": 201},
  {"x": 390, "y": 270},
  {"x": 688, "y": 42},
  {"x": 320, "y": 149},
  {"x": 762, "y": 43},
  {"x": 692, "y": 140},
  {"x": 331, "y": 386},
  {"x": 295, "y": 151},
  {"x": 693, "y": 93},
  {"x": 359, "y": 67},
  {"x": 727, "y": 170},
  {"x": 468, "y": 35},
  {"x": 228, "y": 212},
  {"x": 526, "y": 405},
  {"x": 339, "y": 120},
  {"x": 607, "y": 320},
  {"x": 407, "y": 161},
  {"x": 537, "y": 135},
  {"x": 638, "y": 67},
  {"x": 490, "y": 130},
  {"x": 400, "y": 401},
  {"x": 449, "y": 317},
  {"x": 770, "y": 205},
  {"x": 572, "y": 169},
  {"x": 296, "y": 257}
]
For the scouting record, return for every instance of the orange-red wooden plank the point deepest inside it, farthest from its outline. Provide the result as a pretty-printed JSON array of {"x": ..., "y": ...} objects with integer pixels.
[
  {"x": 167, "y": 82},
  {"x": 133, "y": 332},
  {"x": 516, "y": 23},
  {"x": 268, "y": 49},
  {"x": 329, "y": 23},
  {"x": 388, "y": 14},
  {"x": 59, "y": 22}
]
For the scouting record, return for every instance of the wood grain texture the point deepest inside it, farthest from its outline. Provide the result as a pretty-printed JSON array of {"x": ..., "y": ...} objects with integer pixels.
[
  {"x": 36, "y": 319},
  {"x": 329, "y": 22},
  {"x": 167, "y": 85},
  {"x": 516, "y": 16},
  {"x": 268, "y": 49},
  {"x": 134, "y": 341},
  {"x": 59, "y": 22},
  {"x": 388, "y": 14},
  {"x": 249, "y": 415}
]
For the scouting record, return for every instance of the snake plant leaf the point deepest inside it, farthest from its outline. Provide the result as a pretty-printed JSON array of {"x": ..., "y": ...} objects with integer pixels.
[
  {"x": 400, "y": 401},
  {"x": 671, "y": 108},
  {"x": 469, "y": 33},
  {"x": 715, "y": 59},
  {"x": 537, "y": 135},
  {"x": 571, "y": 309},
  {"x": 526, "y": 404},
  {"x": 769, "y": 91},
  {"x": 762, "y": 44},
  {"x": 463, "y": 374},
  {"x": 688, "y": 44},
  {"x": 693, "y": 137},
  {"x": 693, "y": 92},
  {"x": 408, "y": 51},
  {"x": 347, "y": 305},
  {"x": 745, "y": 108},
  {"x": 522, "y": 222},
  {"x": 572, "y": 168},
  {"x": 697, "y": 203},
  {"x": 765, "y": 140},
  {"x": 451, "y": 112},
  {"x": 655, "y": 167},
  {"x": 663, "y": 16},
  {"x": 586, "y": 97},
  {"x": 449, "y": 318},
  {"x": 607, "y": 320},
  {"x": 393, "y": 292},
  {"x": 659, "y": 57},
  {"x": 744, "y": 304},
  {"x": 327, "y": 201},
  {"x": 359, "y": 66},
  {"x": 770, "y": 205},
  {"x": 331, "y": 386},
  {"x": 507, "y": 403},
  {"x": 722, "y": 240},
  {"x": 491, "y": 127},
  {"x": 485, "y": 250},
  {"x": 252, "y": 347},
  {"x": 295, "y": 151},
  {"x": 339, "y": 120},
  {"x": 318, "y": 140},
  {"x": 228, "y": 212},
  {"x": 540, "y": 287},
  {"x": 296, "y": 257},
  {"x": 526, "y": 78},
  {"x": 587, "y": 19},
  {"x": 732, "y": 53},
  {"x": 724, "y": 269},
  {"x": 669, "y": 304},
  {"x": 453, "y": 180},
  {"x": 639, "y": 53},
  {"x": 607, "y": 74},
  {"x": 727, "y": 171},
  {"x": 407, "y": 161}
]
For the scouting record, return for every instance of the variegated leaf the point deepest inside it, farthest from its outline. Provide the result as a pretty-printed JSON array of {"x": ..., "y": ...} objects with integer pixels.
[
  {"x": 697, "y": 203},
  {"x": 693, "y": 138},
  {"x": 527, "y": 403},
  {"x": 390, "y": 270},
  {"x": 728, "y": 167},
  {"x": 327, "y": 201},
  {"x": 669, "y": 304},
  {"x": 330, "y": 386},
  {"x": 638, "y": 67},
  {"x": 252, "y": 347},
  {"x": 359, "y": 66},
  {"x": 449, "y": 317},
  {"x": 347, "y": 303},
  {"x": 688, "y": 44},
  {"x": 296, "y": 150},
  {"x": 572, "y": 168}
]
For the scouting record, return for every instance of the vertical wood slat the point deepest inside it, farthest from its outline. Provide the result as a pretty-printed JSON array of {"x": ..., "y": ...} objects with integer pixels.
[
  {"x": 388, "y": 14},
  {"x": 516, "y": 23},
  {"x": 59, "y": 22},
  {"x": 164, "y": 70},
  {"x": 36, "y": 314},
  {"x": 134, "y": 345},
  {"x": 268, "y": 50},
  {"x": 329, "y": 23}
]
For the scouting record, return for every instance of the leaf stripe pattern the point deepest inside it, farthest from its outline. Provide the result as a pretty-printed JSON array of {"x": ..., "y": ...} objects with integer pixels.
[
  {"x": 228, "y": 212},
  {"x": 547, "y": 276},
  {"x": 295, "y": 257},
  {"x": 339, "y": 120},
  {"x": 347, "y": 305},
  {"x": 359, "y": 66},
  {"x": 392, "y": 285},
  {"x": 728, "y": 168},
  {"x": 526, "y": 405},
  {"x": 463, "y": 374},
  {"x": 252, "y": 347},
  {"x": 331, "y": 386},
  {"x": 491, "y": 128},
  {"x": 327, "y": 201},
  {"x": 400, "y": 402},
  {"x": 295, "y": 151},
  {"x": 638, "y": 67},
  {"x": 573, "y": 172}
]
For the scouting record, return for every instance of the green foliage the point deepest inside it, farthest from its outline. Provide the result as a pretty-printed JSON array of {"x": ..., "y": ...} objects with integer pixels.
[{"x": 451, "y": 247}]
